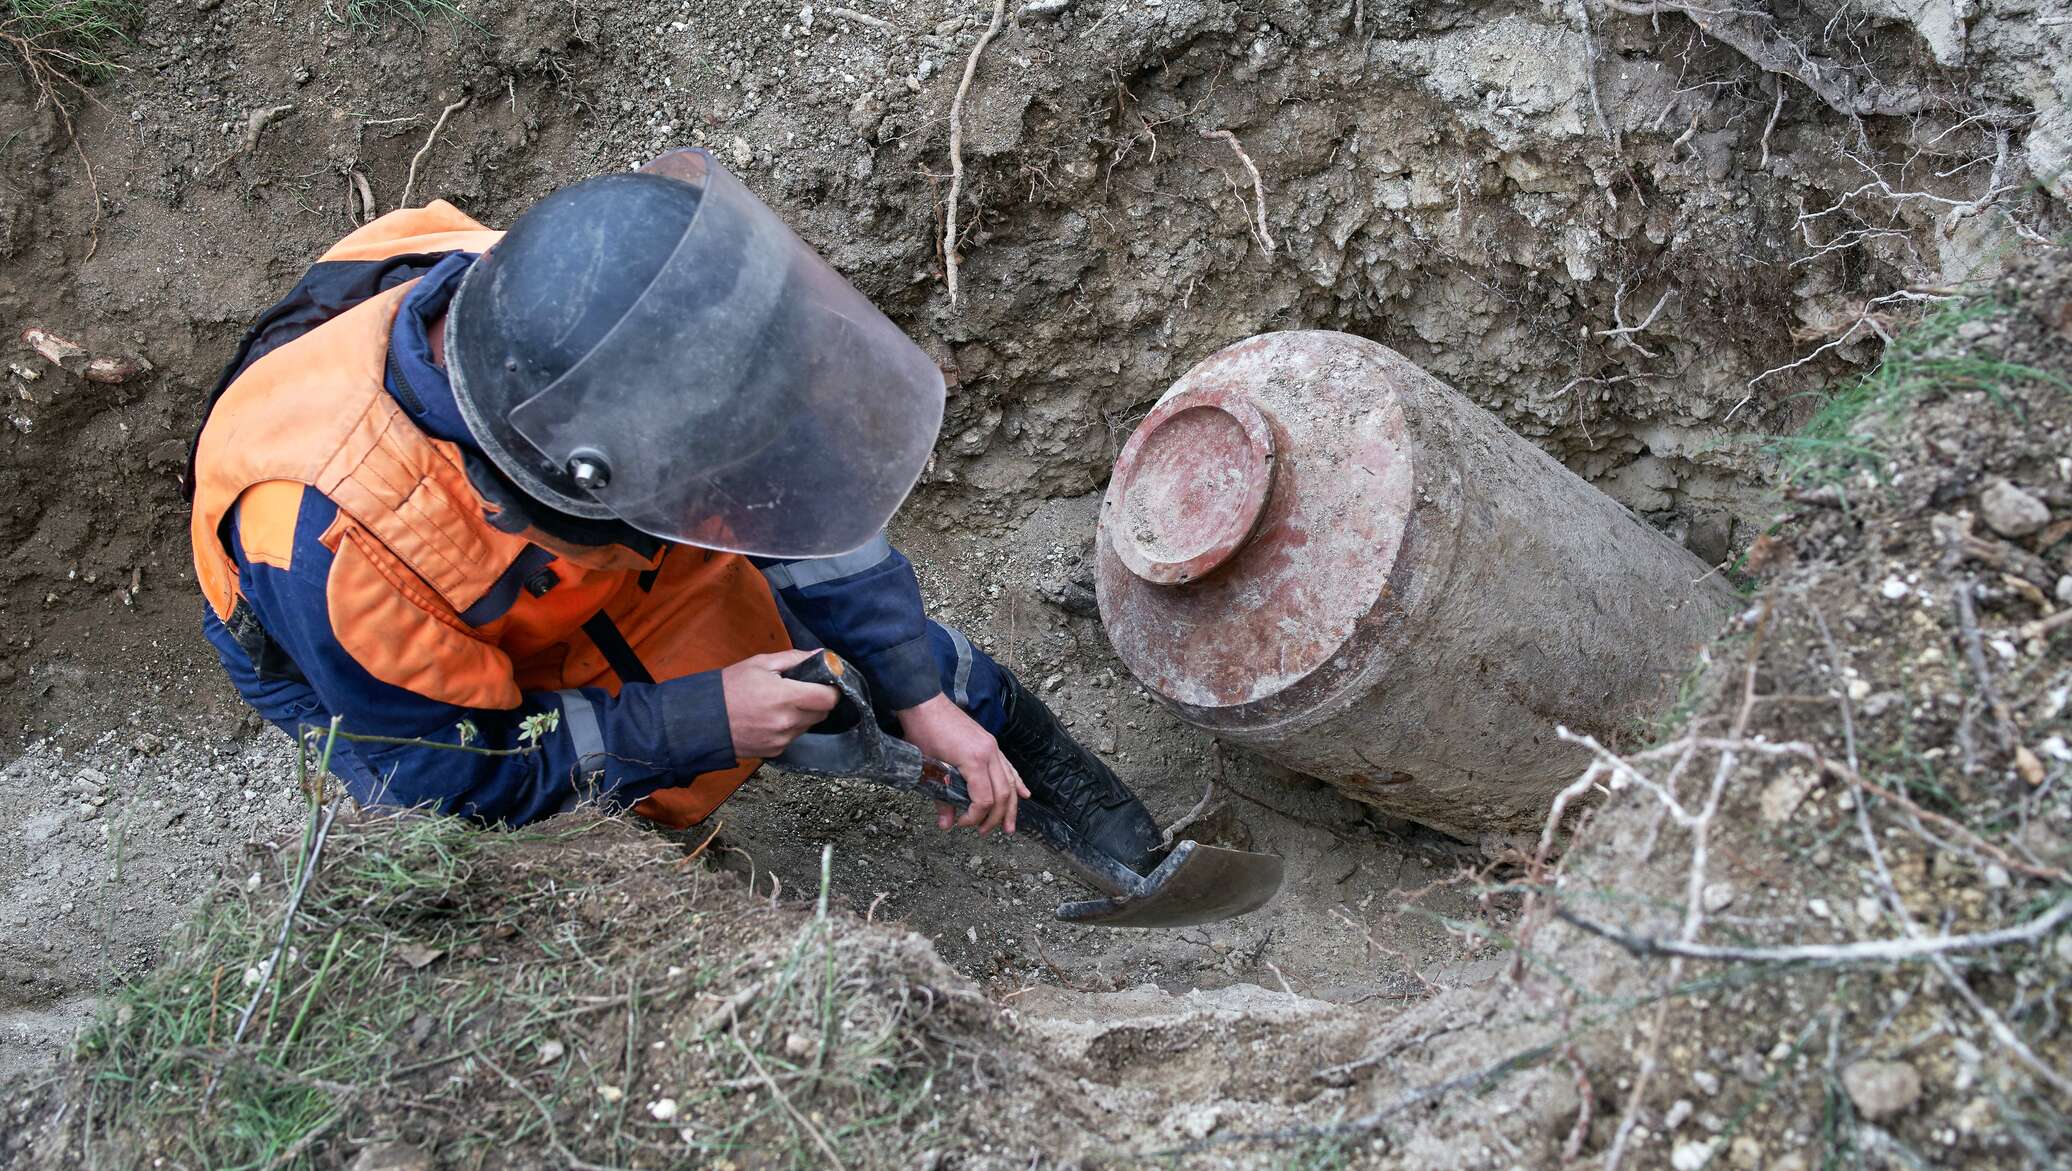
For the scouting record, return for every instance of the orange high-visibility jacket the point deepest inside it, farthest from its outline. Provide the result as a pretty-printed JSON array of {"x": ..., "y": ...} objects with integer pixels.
[{"x": 415, "y": 552}]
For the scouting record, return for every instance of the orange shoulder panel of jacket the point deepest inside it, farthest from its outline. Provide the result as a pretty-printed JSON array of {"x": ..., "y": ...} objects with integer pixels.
[
  {"x": 436, "y": 227},
  {"x": 266, "y": 516},
  {"x": 392, "y": 624},
  {"x": 255, "y": 433}
]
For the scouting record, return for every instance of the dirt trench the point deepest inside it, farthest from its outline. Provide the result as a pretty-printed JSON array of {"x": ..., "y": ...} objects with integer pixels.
[{"x": 1618, "y": 233}]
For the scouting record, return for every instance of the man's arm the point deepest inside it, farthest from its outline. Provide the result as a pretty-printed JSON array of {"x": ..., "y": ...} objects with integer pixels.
[
  {"x": 543, "y": 750},
  {"x": 866, "y": 607}
]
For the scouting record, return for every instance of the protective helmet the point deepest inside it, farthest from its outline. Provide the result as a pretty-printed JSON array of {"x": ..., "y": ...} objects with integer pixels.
[{"x": 659, "y": 348}]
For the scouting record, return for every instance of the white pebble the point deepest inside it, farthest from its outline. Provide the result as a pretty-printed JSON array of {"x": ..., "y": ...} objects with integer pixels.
[{"x": 662, "y": 1109}]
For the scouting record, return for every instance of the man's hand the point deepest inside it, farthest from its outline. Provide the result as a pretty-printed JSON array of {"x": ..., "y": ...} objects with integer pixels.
[
  {"x": 942, "y": 730},
  {"x": 766, "y": 711}
]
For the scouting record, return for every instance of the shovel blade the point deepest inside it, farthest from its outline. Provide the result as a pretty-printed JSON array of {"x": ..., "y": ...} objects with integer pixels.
[{"x": 1195, "y": 884}]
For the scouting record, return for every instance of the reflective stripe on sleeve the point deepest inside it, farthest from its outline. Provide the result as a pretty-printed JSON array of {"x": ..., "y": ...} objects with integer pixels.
[
  {"x": 583, "y": 729},
  {"x": 960, "y": 686},
  {"x": 821, "y": 570}
]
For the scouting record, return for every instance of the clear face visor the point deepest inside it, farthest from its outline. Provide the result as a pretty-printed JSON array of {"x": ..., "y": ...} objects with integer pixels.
[{"x": 751, "y": 400}]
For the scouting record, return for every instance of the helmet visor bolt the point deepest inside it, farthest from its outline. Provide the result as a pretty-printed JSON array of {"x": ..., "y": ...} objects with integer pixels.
[{"x": 589, "y": 471}]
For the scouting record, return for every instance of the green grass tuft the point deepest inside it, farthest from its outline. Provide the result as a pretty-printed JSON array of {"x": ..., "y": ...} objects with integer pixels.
[
  {"x": 78, "y": 39},
  {"x": 418, "y": 14},
  {"x": 1841, "y": 439}
]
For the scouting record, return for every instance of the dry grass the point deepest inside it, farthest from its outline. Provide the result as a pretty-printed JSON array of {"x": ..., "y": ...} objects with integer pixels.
[{"x": 560, "y": 996}]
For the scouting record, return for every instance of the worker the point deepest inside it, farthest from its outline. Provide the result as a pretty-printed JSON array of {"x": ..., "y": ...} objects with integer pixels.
[{"x": 542, "y": 515}]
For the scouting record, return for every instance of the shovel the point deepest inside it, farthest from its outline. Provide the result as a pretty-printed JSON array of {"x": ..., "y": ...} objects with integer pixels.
[{"x": 1193, "y": 884}]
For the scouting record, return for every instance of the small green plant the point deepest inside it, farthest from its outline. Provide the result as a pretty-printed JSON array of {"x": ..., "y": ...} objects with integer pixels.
[
  {"x": 533, "y": 728},
  {"x": 1930, "y": 356}
]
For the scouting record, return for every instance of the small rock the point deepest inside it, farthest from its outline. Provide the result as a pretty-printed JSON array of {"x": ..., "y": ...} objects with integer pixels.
[
  {"x": 2065, "y": 589},
  {"x": 1707, "y": 1082},
  {"x": 1197, "y": 1121},
  {"x": 1977, "y": 1117},
  {"x": 1997, "y": 877},
  {"x": 662, "y": 1109},
  {"x": 1744, "y": 1153},
  {"x": 391, "y": 1157},
  {"x": 1820, "y": 909},
  {"x": 740, "y": 153},
  {"x": 974, "y": 864},
  {"x": 1717, "y": 897},
  {"x": 550, "y": 1052},
  {"x": 1868, "y": 909},
  {"x": 2011, "y": 512},
  {"x": 1692, "y": 1155},
  {"x": 610, "y": 1094},
  {"x": 1783, "y": 795},
  {"x": 797, "y": 1045},
  {"x": 1893, "y": 589},
  {"x": 1882, "y": 1089},
  {"x": 1680, "y": 1112}
]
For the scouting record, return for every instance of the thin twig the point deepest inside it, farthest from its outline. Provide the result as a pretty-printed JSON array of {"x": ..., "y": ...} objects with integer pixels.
[
  {"x": 280, "y": 943},
  {"x": 1700, "y": 826},
  {"x": 949, "y": 235},
  {"x": 691, "y": 857},
  {"x": 848, "y": 14},
  {"x": 1207, "y": 794},
  {"x": 1572, "y": 1148},
  {"x": 410, "y": 184},
  {"x": 1994, "y": 1023},
  {"x": 1590, "y": 72},
  {"x": 1258, "y": 187},
  {"x": 1831, "y": 954},
  {"x": 1775, "y": 110},
  {"x": 777, "y": 1091}
]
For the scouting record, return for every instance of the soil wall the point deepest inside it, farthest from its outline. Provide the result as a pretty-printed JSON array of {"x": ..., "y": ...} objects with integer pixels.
[{"x": 1607, "y": 231}]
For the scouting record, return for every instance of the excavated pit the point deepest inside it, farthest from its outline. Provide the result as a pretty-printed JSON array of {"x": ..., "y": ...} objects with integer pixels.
[{"x": 1438, "y": 179}]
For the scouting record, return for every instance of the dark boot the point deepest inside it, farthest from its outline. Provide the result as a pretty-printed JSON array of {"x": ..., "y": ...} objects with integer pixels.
[{"x": 1072, "y": 781}]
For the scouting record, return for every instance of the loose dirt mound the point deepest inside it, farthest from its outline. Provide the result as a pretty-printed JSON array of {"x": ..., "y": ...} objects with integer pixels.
[{"x": 549, "y": 998}]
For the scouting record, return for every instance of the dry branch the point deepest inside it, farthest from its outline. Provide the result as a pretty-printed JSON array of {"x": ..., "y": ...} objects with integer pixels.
[
  {"x": 1258, "y": 187},
  {"x": 863, "y": 18},
  {"x": 1830, "y": 954},
  {"x": 410, "y": 184},
  {"x": 949, "y": 235}
]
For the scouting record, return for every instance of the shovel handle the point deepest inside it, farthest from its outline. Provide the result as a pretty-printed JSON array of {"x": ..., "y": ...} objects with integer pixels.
[{"x": 938, "y": 781}]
